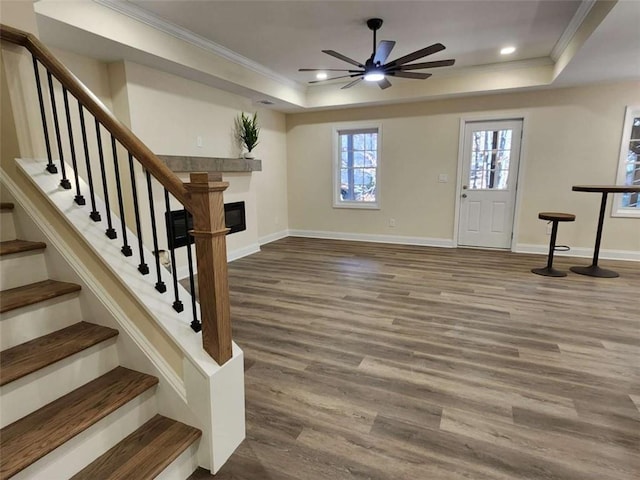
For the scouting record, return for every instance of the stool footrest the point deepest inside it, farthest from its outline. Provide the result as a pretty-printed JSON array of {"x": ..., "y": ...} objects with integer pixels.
[{"x": 562, "y": 248}]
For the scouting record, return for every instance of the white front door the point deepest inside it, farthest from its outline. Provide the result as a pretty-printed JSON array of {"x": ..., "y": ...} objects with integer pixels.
[{"x": 491, "y": 153}]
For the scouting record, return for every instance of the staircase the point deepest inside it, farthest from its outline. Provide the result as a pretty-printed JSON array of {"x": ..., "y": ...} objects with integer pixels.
[{"x": 68, "y": 409}]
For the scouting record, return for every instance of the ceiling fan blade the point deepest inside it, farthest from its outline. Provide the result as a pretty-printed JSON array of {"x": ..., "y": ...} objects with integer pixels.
[
  {"x": 384, "y": 83},
  {"x": 351, "y": 84},
  {"x": 416, "y": 75},
  {"x": 325, "y": 70},
  {"x": 430, "y": 50},
  {"x": 343, "y": 58},
  {"x": 335, "y": 78},
  {"x": 418, "y": 66},
  {"x": 383, "y": 51}
]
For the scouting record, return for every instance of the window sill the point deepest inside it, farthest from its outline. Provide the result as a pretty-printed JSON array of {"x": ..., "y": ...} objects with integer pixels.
[
  {"x": 623, "y": 213},
  {"x": 357, "y": 205}
]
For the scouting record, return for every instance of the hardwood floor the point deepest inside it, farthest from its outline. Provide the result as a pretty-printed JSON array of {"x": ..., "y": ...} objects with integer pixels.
[{"x": 368, "y": 361}]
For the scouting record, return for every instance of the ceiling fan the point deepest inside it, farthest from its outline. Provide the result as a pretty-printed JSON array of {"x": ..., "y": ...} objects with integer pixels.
[{"x": 375, "y": 70}]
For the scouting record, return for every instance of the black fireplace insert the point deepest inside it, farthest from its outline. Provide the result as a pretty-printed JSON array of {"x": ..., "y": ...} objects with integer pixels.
[{"x": 179, "y": 222}]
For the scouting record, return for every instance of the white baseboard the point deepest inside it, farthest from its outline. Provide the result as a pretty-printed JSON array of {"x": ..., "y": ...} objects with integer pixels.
[
  {"x": 272, "y": 237},
  {"x": 183, "y": 272},
  {"x": 243, "y": 252},
  {"x": 582, "y": 252},
  {"x": 364, "y": 237}
]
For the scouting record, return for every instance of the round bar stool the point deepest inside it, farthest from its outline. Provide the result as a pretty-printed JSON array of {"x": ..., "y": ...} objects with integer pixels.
[{"x": 553, "y": 217}]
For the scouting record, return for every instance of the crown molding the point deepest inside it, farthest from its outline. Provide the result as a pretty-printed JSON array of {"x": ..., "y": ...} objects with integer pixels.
[
  {"x": 136, "y": 13},
  {"x": 581, "y": 13},
  {"x": 497, "y": 67},
  {"x": 469, "y": 70}
]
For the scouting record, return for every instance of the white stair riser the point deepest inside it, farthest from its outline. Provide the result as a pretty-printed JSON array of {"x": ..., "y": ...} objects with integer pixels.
[
  {"x": 22, "y": 269},
  {"x": 183, "y": 466},
  {"x": 34, "y": 391},
  {"x": 84, "y": 448},
  {"x": 7, "y": 227},
  {"x": 33, "y": 321}
]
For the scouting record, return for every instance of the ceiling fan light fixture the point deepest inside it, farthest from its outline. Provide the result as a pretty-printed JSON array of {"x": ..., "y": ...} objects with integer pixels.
[
  {"x": 374, "y": 76},
  {"x": 507, "y": 50},
  {"x": 377, "y": 68}
]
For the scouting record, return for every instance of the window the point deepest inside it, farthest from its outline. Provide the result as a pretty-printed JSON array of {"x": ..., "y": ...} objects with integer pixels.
[
  {"x": 490, "y": 158},
  {"x": 356, "y": 167},
  {"x": 628, "y": 204}
]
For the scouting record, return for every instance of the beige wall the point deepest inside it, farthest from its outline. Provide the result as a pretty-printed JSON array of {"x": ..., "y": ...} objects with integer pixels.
[
  {"x": 168, "y": 113},
  {"x": 18, "y": 14},
  {"x": 572, "y": 136},
  {"x": 93, "y": 73}
]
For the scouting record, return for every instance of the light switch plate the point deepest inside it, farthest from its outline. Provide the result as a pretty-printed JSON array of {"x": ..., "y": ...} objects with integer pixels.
[{"x": 443, "y": 178}]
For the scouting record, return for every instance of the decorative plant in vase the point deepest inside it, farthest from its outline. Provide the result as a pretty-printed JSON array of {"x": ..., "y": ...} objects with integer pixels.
[{"x": 248, "y": 131}]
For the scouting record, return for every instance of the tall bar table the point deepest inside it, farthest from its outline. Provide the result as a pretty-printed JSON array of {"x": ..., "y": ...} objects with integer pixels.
[{"x": 594, "y": 270}]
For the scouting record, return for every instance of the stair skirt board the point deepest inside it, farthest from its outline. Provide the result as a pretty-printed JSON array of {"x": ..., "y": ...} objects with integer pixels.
[
  {"x": 26, "y": 394},
  {"x": 81, "y": 450},
  {"x": 23, "y": 268},
  {"x": 230, "y": 406},
  {"x": 33, "y": 321},
  {"x": 7, "y": 226}
]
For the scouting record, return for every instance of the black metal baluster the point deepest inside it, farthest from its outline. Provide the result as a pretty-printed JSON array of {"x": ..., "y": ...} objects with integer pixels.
[
  {"x": 110, "y": 233},
  {"x": 177, "y": 304},
  {"x": 64, "y": 183},
  {"x": 195, "y": 323},
  {"x": 94, "y": 215},
  {"x": 79, "y": 199},
  {"x": 126, "y": 249},
  {"x": 160, "y": 286},
  {"x": 51, "y": 168},
  {"x": 143, "y": 268}
]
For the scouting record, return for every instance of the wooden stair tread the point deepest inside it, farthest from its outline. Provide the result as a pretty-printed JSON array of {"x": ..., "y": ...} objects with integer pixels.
[
  {"x": 6, "y": 206},
  {"x": 18, "y": 246},
  {"x": 21, "y": 360},
  {"x": 34, "y": 293},
  {"x": 34, "y": 436},
  {"x": 143, "y": 454}
]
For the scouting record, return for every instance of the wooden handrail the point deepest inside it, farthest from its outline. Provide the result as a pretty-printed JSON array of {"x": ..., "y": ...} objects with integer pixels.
[
  {"x": 92, "y": 103},
  {"x": 202, "y": 196}
]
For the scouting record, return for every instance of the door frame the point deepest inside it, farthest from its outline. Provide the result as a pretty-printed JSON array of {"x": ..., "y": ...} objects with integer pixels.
[{"x": 492, "y": 117}]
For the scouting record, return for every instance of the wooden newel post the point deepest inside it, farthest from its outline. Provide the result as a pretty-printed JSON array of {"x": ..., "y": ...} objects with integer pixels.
[{"x": 207, "y": 208}]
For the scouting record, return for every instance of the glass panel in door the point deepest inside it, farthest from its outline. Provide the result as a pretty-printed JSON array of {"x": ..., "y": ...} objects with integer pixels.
[{"x": 490, "y": 159}]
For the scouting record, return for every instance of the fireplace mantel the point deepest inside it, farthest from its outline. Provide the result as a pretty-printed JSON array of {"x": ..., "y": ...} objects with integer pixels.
[{"x": 179, "y": 163}]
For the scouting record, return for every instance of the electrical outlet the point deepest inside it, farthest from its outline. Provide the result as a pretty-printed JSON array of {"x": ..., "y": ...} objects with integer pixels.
[
  {"x": 392, "y": 222},
  {"x": 443, "y": 178},
  {"x": 199, "y": 141}
]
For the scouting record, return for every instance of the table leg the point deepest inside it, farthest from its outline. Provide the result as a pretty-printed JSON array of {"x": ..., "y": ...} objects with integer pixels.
[{"x": 594, "y": 270}]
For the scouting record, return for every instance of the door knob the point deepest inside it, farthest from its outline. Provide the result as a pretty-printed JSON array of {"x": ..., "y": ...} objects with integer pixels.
[
  {"x": 464, "y": 187},
  {"x": 464, "y": 195}
]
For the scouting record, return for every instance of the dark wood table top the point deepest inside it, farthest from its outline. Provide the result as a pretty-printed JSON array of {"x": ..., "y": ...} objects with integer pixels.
[{"x": 606, "y": 188}]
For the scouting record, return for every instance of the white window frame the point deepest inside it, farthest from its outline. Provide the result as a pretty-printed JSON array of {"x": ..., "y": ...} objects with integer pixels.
[
  {"x": 337, "y": 201},
  {"x": 618, "y": 210}
]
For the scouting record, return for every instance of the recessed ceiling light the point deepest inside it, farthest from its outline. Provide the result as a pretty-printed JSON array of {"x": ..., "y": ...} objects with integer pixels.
[
  {"x": 321, "y": 75},
  {"x": 507, "y": 50}
]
